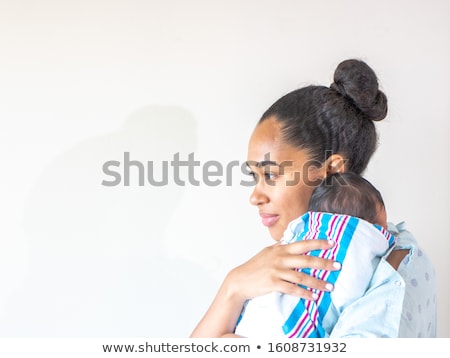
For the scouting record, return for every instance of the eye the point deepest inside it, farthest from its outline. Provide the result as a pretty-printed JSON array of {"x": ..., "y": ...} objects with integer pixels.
[{"x": 270, "y": 176}]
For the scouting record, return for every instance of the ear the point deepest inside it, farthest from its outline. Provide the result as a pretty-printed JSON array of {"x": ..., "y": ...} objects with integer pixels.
[{"x": 335, "y": 164}]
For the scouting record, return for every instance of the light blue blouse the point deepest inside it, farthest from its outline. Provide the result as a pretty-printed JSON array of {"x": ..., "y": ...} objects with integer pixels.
[{"x": 398, "y": 303}]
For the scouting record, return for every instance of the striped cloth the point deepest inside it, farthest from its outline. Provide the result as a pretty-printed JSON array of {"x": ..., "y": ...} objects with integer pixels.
[{"x": 359, "y": 247}]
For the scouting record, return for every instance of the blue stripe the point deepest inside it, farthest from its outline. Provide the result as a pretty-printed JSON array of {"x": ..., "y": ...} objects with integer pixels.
[
  {"x": 344, "y": 242},
  {"x": 294, "y": 317}
]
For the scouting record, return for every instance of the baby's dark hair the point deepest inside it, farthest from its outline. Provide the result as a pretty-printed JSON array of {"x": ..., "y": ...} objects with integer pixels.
[{"x": 347, "y": 194}]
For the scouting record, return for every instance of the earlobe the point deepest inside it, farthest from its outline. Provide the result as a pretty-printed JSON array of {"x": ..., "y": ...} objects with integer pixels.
[{"x": 335, "y": 164}]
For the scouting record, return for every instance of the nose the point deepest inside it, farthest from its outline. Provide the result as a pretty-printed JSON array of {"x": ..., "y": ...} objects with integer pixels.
[{"x": 259, "y": 195}]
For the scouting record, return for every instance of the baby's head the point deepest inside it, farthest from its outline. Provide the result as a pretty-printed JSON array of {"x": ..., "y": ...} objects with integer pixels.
[{"x": 349, "y": 194}]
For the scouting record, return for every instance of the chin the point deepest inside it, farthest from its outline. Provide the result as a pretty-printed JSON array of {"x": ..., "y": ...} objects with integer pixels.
[{"x": 275, "y": 233}]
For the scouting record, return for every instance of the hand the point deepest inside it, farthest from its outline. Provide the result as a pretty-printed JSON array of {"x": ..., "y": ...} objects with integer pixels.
[{"x": 273, "y": 269}]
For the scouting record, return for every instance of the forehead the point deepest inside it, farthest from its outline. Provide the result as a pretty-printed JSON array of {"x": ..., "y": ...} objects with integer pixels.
[
  {"x": 267, "y": 140},
  {"x": 267, "y": 132}
]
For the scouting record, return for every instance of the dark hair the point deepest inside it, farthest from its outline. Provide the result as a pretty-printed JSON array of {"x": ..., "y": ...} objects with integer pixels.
[
  {"x": 348, "y": 194},
  {"x": 336, "y": 119}
]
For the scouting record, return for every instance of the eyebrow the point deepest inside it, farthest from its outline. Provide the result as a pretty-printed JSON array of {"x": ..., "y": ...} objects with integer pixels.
[{"x": 262, "y": 163}]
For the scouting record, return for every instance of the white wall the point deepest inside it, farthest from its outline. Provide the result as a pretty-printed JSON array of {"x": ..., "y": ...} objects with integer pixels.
[{"x": 82, "y": 82}]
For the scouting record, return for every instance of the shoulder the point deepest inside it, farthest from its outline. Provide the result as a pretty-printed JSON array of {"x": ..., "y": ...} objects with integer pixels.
[
  {"x": 404, "y": 245},
  {"x": 404, "y": 238},
  {"x": 413, "y": 254}
]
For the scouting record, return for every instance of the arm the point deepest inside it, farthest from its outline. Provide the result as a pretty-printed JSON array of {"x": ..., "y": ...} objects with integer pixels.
[
  {"x": 272, "y": 269},
  {"x": 396, "y": 257}
]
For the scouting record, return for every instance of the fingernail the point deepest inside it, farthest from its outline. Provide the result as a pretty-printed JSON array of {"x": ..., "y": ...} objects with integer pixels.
[
  {"x": 336, "y": 265},
  {"x": 331, "y": 242},
  {"x": 315, "y": 296},
  {"x": 329, "y": 287}
]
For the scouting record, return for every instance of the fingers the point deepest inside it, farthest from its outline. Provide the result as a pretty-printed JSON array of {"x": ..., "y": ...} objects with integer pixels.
[
  {"x": 275, "y": 269},
  {"x": 305, "y": 279},
  {"x": 304, "y": 246},
  {"x": 292, "y": 287},
  {"x": 293, "y": 255},
  {"x": 294, "y": 290},
  {"x": 312, "y": 262}
]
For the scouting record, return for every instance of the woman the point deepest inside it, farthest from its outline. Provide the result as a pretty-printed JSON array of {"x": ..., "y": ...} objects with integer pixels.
[{"x": 302, "y": 138}]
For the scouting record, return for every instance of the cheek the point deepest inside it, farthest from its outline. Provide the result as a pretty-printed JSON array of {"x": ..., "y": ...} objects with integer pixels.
[
  {"x": 291, "y": 204},
  {"x": 295, "y": 201}
]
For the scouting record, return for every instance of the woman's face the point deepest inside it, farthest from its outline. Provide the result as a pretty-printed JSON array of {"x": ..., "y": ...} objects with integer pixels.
[{"x": 284, "y": 177}]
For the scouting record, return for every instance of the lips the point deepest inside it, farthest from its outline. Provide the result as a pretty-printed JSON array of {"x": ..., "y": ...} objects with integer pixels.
[{"x": 269, "y": 219}]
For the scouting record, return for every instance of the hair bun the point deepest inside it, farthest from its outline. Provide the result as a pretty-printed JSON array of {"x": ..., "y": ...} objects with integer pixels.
[{"x": 355, "y": 80}]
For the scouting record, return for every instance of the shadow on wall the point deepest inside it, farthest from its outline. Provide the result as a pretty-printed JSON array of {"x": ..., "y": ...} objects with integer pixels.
[{"x": 98, "y": 265}]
